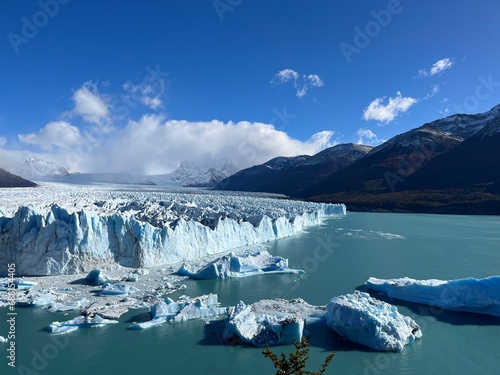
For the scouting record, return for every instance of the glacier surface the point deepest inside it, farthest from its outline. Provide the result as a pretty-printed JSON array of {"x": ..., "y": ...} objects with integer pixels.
[
  {"x": 242, "y": 265},
  {"x": 469, "y": 294},
  {"x": 269, "y": 322},
  {"x": 370, "y": 322},
  {"x": 76, "y": 229}
]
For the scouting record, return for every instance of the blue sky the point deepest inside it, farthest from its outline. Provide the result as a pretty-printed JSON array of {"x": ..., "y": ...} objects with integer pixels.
[{"x": 139, "y": 86}]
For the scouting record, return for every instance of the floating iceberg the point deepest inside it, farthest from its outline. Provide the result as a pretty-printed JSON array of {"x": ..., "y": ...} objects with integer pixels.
[
  {"x": 233, "y": 265},
  {"x": 58, "y": 328},
  {"x": 469, "y": 295},
  {"x": 269, "y": 322},
  {"x": 142, "y": 229},
  {"x": 117, "y": 289},
  {"x": 370, "y": 322},
  {"x": 206, "y": 306},
  {"x": 63, "y": 307},
  {"x": 36, "y": 300},
  {"x": 2, "y": 339}
]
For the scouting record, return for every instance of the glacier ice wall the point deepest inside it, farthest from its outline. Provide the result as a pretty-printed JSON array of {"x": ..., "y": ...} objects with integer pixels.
[{"x": 132, "y": 233}]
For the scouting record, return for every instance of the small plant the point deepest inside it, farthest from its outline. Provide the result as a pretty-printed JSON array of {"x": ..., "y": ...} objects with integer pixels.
[{"x": 295, "y": 364}]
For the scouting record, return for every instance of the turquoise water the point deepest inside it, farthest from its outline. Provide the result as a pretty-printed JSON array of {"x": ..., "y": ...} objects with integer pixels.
[{"x": 339, "y": 256}]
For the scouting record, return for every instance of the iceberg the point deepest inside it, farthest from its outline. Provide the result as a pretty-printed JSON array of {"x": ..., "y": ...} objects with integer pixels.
[
  {"x": 370, "y": 322},
  {"x": 468, "y": 295},
  {"x": 233, "y": 265},
  {"x": 24, "y": 284},
  {"x": 35, "y": 300},
  {"x": 206, "y": 306},
  {"x": 269, "y": 322},
  {"x": 89, "y": 228},
  {"x": 117, "y": 289},
  {"x": 2, "y": 339},
  {"x": 96, "y": 277},
  {"x": 58, "y": 328},
  {"x": 73, "y": 305}
]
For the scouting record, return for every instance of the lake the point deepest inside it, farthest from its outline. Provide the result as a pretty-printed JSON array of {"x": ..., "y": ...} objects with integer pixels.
[{"x": 339, "y": 256}]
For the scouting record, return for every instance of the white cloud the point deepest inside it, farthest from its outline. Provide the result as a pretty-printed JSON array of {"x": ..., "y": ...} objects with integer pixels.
[
  {"x": 147, "y": 93},
  {"x": 60, "y": 134},
  {"x": 301, "y": 82},
  {"x": 437, "y": 68},
  {"x": 153, "y": 145},
  {"x": 367, "y": 137},
  {"x": 90, "y": 104},
  {"x": 386, "y": 113}
]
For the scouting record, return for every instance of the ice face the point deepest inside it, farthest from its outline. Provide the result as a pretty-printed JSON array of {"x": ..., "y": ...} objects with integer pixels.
[
  {"x": 233, "y": 265},
  {"x": 117, "y": 289},
  {"x": 88, "y": 228},
  {"x": 269, "y": 322},
  {"x": 370, "y": 322},
  {"x": 206, "y": 306},
  {"x": 469, "y": 295},
  {"x": 58, "y": 328}
]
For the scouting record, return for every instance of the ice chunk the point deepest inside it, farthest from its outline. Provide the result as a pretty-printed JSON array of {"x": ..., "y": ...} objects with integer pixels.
[
  {"x": 469, "y": 295},
  {"x": 24, "y": 284},
  {"x": 233, "y": 265},
  {"x": 206, "y": 306},
  {"x": 370, "y": 322},
  {"x": 269, "y": 322},
  {"x": 2, "y": 339},
  {"x": 74, "y": 305},
  {"x": 38, "y": 299},
  {"x": 79, "y": 322},
  {"x": 96, "y": 277},
  {"x": 117, "y": 289}
]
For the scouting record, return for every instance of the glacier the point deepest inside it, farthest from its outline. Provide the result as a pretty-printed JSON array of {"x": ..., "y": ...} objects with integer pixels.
[
  {"x": 76, "y": 229},
  {"x": 370, "y": 322},
  {"x": 58, "y": 328},
  {"x": 206, "y": 306},
  {"x": 468, "y": 295},
  {"x": 239, "y": 265},
  {"x": 269, "y": 322}
]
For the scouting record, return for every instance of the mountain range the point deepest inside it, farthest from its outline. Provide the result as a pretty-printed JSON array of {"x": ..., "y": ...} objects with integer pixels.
[
  {"x": 451, "y": 165},
  {"x": 290, "y": 175}
]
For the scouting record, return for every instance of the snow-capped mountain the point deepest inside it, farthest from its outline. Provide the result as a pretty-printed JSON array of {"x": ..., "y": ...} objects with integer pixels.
[
  {"x": 189, "y": 174},
  {"x": 286, "y": 175},
  {"x": 34, "y": 168},
  {"x": 389, "y": 165}
]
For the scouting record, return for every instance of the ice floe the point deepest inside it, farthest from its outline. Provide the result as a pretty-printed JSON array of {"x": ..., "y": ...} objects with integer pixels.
[
  {"x": 269, "y": 322},
  {"x": 58, "y": 328},
  {"x": 469, "y": 294},
  {"x": 234, "y": 265},
  {"x": 186, "y": 308},
  {"x": 370, "y": 322}
]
